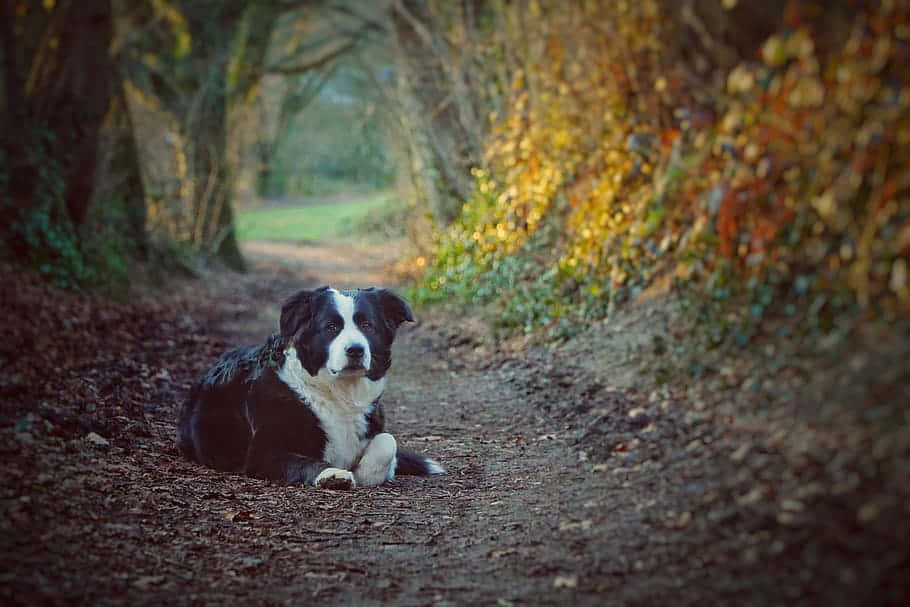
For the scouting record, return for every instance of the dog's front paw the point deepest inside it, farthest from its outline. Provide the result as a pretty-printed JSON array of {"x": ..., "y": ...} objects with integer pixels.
[
  {"x": 377, "y": 464},
  {"x": 335, "y": 478}
]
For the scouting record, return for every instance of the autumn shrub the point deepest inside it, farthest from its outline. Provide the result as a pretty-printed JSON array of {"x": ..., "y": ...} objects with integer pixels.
[{"x": 778, "y": 179}]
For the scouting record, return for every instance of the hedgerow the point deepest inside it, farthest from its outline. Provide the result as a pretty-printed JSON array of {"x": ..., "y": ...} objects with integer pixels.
[{"x": 781, "y": 181}]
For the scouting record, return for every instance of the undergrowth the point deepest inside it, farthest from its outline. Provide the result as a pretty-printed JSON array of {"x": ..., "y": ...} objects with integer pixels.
[
  {"x": 772, "y": 188},
  {"x": 39, "y": 233}
]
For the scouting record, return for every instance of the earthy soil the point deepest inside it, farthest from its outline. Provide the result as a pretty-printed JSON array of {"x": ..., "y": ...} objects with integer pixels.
[{"x": 571, "y": 478}]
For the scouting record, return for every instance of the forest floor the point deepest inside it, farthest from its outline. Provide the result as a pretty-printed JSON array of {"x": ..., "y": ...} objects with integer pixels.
[{"x": 570, "y": 481}]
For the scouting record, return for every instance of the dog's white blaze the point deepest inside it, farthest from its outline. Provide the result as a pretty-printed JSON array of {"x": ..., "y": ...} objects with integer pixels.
[
  {"x": 340, "y": 403},
  {"x": 350, "y": 335}
]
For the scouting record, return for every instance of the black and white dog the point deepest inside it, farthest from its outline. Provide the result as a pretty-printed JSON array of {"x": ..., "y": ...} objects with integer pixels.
[{"x": 304, "y": 407}]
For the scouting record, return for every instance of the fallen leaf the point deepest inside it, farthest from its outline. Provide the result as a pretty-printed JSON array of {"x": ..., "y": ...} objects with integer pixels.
[
  {"x": 97, "y": 439},
  {"x": 236, "y": 516},
  {"x": 251, "y": 561},
  {"x": 147, "y": 581},
  {"x": 565, "y": 581}
]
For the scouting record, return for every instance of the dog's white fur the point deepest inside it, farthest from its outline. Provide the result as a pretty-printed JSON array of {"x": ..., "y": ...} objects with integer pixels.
[
  {"x": 340, "y": 402},
  {"x": 378, "y": 462},
  {"x": 434, "y": 467},
  {"x": 350, "y": 335},
  {"x": 335, "y": 478}
]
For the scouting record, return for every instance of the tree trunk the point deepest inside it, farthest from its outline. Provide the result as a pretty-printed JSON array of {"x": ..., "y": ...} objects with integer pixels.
[
  {"x": 118, "y": 183},
  {"x": 207, "y": 133},
  {"x": 87, "y": 37},
  {"x": 438, "y": 107},
  {"x": 205, "y": 129},
  {"x": 14, "y": 118},
  {"x": 230, "y": 41},
  {"x": 13, "y": 114},
  {"x": 67, "y": 93}
]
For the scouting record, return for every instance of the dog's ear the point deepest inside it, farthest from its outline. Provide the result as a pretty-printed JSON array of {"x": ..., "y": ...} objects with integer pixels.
[
  {"x": 394, "y": 309},
  {"x": 297, "y": 311}
]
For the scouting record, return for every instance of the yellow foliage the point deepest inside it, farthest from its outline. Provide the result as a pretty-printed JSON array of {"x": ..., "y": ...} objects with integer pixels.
[
  {"x": 175, "y": 19},
  {"x": 791, "y": 164}
]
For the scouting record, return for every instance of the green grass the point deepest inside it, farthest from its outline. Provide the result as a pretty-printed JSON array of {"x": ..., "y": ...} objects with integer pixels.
[{"x": 311, "y": 222}]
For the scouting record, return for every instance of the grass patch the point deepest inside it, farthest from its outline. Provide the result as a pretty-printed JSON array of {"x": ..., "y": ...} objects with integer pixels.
[{"x": 310, "y": 222}]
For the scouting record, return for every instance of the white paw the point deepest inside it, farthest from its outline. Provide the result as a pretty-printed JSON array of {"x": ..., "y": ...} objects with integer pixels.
[
  {"x": 335, "y": 478},
  {"x": 377, "y": 464}
]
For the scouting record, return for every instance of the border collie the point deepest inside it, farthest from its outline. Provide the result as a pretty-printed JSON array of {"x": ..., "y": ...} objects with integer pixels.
[{"x": 303, "y": 408}]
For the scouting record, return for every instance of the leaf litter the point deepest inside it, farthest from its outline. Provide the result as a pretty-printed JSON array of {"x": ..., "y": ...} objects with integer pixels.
[{"x": 688, "y": 494}]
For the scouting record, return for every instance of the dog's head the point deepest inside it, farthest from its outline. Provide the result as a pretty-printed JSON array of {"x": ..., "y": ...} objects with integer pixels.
[{"x": 344, "y": 332}]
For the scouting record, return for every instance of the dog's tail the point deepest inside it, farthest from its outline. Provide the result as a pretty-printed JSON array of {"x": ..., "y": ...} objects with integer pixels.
[{"x": 411, "y": 463}]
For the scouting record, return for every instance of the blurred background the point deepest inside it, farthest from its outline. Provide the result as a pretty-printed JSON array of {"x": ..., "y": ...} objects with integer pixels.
[
  {"x": 545, "y": 160},
  {"x": 675, "y": 230}
]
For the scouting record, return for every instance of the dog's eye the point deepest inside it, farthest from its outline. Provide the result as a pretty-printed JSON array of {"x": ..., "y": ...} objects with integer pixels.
[
  {"x": 332, "y": 327},
  {"x": 366, "y": 325}
]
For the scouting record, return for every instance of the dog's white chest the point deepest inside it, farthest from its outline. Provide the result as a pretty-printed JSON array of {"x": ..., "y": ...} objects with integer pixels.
[
  {"x": 345, "y": 429},
  {"x": 340, "y": 404}
]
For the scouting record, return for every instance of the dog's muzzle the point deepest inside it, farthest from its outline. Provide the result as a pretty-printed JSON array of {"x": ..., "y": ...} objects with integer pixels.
[{"x": 356, "y": 360}]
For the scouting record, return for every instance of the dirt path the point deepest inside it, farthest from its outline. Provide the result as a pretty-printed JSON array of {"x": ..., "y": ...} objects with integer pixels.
[{"x": 561, "y": 489}]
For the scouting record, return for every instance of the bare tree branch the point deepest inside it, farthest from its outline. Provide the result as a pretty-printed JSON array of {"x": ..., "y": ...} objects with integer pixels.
[
  {"x": 419, "y": 28},
  {"x": 368, "y": 21},
  {"x": 311, "y": 64}
]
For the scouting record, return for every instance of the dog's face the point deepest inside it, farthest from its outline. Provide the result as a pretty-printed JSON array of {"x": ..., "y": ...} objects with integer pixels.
[{"x": 345, "y": 332}]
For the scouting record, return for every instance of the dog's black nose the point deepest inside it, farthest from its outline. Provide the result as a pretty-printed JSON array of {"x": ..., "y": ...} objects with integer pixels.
[{"x": 354, "y": 351}]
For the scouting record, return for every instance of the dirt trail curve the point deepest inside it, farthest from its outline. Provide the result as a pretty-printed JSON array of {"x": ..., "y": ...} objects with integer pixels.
[{"x": 560, "y": 489}]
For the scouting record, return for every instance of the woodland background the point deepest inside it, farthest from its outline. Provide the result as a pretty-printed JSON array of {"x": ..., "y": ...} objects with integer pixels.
[
  {"x": 550, "y": 160},
  {"x": 665, "y": 241}
]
